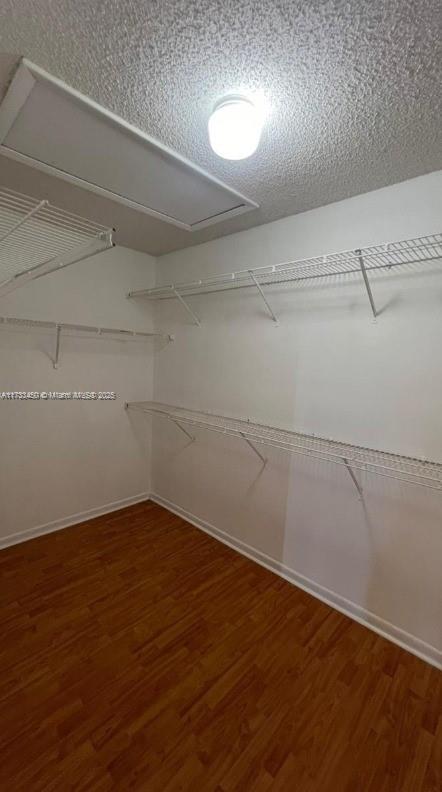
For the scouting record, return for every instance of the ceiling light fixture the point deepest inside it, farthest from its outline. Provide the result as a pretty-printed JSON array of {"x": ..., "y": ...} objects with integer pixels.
[{"x": 235, "y": 128}]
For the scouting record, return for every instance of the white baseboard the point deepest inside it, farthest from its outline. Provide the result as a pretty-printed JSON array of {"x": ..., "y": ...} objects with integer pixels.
[
  {"x": 384, "y": 628},
  {"x": 72, "y": 519}
]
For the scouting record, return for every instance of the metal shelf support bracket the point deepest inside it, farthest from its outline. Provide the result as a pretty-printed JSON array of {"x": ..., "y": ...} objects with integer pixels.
[
  {"x": 57, "y": 346},
  {"x": 186, "y": 306},
  {"x": 366, "y": 281},
  {"x": 191, "y": 437},
  {"x": 127, "y": 405},
  {"x": 253, "y": 447},
  {"x": 353, "y": 477},
  {"x": 266, "y": 302}
]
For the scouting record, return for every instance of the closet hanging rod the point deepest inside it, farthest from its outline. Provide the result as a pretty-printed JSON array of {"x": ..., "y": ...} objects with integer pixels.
[
  {"x": 374, "y": 257},
  {"x": 401, "y": 468},
  {"x": 37, "y": 238}
]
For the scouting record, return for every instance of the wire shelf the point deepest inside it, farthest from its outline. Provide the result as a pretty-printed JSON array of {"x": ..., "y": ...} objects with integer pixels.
[
  {"x": 402, "y": 468},
  {"x": 375, "y": 257},
  {"x": 37, "y": 238},
  {"x": 124, "y": 335},
  {"x": 63, "y": 328}
]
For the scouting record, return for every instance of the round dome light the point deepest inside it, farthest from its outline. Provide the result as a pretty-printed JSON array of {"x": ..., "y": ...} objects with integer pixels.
[{"x": 235, "y": 128}]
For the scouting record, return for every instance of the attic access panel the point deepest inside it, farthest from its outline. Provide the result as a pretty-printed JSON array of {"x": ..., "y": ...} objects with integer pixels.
[{"x": 47, "y": 124}]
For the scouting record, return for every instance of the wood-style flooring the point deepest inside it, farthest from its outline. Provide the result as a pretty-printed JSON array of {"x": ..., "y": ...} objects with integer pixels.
[{"x": 138, "y": 653}]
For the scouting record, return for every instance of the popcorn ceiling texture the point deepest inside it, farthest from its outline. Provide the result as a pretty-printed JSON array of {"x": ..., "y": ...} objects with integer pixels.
[{"x": 353, "y": 89}]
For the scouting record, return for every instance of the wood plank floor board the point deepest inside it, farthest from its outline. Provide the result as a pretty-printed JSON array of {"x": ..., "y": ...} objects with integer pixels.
[{"x": 138, "y": 653}]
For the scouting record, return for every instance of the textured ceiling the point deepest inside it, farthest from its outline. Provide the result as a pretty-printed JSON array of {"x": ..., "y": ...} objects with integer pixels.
[{"x": 352, "y": 89}]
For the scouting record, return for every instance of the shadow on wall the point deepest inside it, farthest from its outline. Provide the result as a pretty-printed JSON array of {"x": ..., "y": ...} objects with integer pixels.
[
  {"x": 405, "y": 584},
  {"x": 377, "y": 556},
  {"x": 223, "y": 482},
  {"x": 381, "y": 553}
]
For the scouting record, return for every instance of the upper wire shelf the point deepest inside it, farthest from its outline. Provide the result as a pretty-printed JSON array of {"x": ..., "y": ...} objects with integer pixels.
[
  {"x": 402, "y": 468},
  {"x": 37, "y": 238},
  {"x": 361, "y": 260}
]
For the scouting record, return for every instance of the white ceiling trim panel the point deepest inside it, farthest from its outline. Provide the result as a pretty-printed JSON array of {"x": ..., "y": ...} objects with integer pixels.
[{"x": 56, "y": 129}]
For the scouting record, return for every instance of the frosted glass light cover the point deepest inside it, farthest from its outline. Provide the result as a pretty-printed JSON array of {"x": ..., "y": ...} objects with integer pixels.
[{"x": 235, "y": 128}]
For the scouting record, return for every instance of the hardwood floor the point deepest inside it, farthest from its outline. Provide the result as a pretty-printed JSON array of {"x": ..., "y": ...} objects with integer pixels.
[{"x": 138, "y": 653}]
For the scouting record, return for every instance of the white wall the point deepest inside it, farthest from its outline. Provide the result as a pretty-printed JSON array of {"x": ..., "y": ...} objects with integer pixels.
[
  {"x": 329, "y": 369},
  {"x": 65, "y": 460}
]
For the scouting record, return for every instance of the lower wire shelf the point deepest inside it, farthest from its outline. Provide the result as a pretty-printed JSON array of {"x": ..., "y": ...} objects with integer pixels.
[{"x": 402, "y": 468}]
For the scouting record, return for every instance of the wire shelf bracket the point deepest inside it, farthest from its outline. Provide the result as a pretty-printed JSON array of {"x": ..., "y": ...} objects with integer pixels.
[
  {"x": 37, "y": 238},
  {"x": 366, "y": 282},
  {"x": 253, "y": 447},
  {"x": 57, "y": 346},
  {"x": 266, "y": 302},
  {"x": 187, "y": 307},
  {"x": 360, "y": 261},
  {"x": 408, "y": 470},
  {"x": 190, "y": 436},
  {"x": 353, "y": 478},
  {"x": 9, "y": 322}
]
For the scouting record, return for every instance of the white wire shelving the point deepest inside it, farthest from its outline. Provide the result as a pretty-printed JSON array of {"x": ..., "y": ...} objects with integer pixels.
[
  {"x": 37, "y": 238},
  {"x": 60, "y": 328},
  {"x": 362, "y": 261},
  {"x": 402, "y": 468}
]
